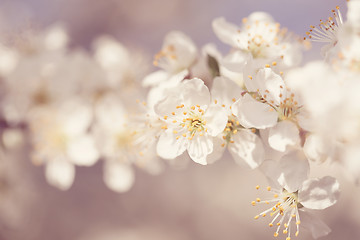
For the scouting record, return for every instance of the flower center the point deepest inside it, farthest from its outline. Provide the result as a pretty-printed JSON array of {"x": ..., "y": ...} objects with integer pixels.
[
  {"x": 284, "y": 211},
  {"x": 189, "y": 123},
  {"x": 165, "y": 56},
  {"x": 326, "y": 31}
]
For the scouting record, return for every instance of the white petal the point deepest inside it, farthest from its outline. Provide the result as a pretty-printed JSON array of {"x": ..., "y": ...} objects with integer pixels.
[
  {"x": 76, "y": 117},
  {"x": 224, "y": 91},
  {"x": 156, "y": 94},
  {"x": 319, "y": 193},
  {"x": 316, "y": 149},
  {"x": 60, "y": 173},
  {"x": 272, "y": 172},
  {"x": 269, "y": 84},
  {"x": 168, "y": 147},
  {"x": 247, "y": 149},
  {"x": 317, "y": 227},
  {"x": 155, "y": 78},
  {"x": 294, "y": 168},
  {"x": 225, "y": 31},
  {"x": 82, "y": 151},
  {"x": 118, "y": 176},
  {"x": 218, "y": 149},
  {"x": 235, "y": 61},
  {"x": 283, "y": 135},
  {"x": 216, "y": 118},
  {"x": 194, "y": 92},
  {"x": 110, "y": 113},
  {"x": 254, "y": 114},
  {"x": 199, "y": 147}
]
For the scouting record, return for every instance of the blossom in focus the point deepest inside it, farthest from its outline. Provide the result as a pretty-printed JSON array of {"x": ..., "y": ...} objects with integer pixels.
[
  {"x": 294, "y": 194},
  {"x": 191, "y": 121}
]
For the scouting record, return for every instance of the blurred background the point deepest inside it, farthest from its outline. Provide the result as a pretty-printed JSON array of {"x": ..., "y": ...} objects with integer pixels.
[{"x": 203, "y": 203}]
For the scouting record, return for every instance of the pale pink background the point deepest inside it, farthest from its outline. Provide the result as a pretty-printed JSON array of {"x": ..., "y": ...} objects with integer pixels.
[{"x": 202, "y": 203}]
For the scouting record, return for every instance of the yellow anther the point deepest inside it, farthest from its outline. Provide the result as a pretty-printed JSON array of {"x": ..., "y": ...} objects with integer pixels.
[
  {"x": 253, "y": 203},
  {"x": 256, "y": 217},
  {"x": 285, "y": 231},
  {"x": 215, "y": 101},
  {"x": 177, "y": 137},
  {"x": 237, "y": 123},
  {"x": 278, "y": 224},
  {"x": 276, "y": 234},
  {"x": 184, "y": 113},
  {"x": 223, "y": 145},
  {"x": 288, "y": 238},
  {"x": 184, "y": 134},
  {"x": 224, "y": 137},
  {"x": 267, "y": 65},
  {"x": 250, "y": 77},
  {"x": 274, "y": 63},
  {"x": 231, "y": 141},
  {"x": 268, "y": 188},
  {"x": 257, "y": 187},
  {"x": 258, "y": 199},
  {"x": 274, "y": 209},
  {"x": 234, "y": 100},
  {"x": 175, "y": 132},
  {"x": 235, "y": 131},
  {"x": 270, "y": 224},
  {"x": 201, "y": 134},
  {"x": 190, "y": 138},
  {"x": 173, "y": 113},
  {"x": 276, "y": 195},
  {"x": 229, "y": 124},
  {"x": 198, "y": 105},
  {"x": 298, "y": 223},
  {"x": 293, "y": 215},
  {"x": 193, "y": 108},
  {"x": 264, "y": 215},
  {"x": 285, "y": 225},
  {"x": 164, "y": 127},
  {"x": 223, "y": 105},
  {"x": 174, "y": 121},
  {"x": 297, "y": 233},
  {"x": 165, "y": 117}
]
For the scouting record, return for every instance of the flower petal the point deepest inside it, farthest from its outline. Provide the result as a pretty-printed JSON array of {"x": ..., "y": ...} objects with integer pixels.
[
  {"x": 247, "y": 149},
  {"x": 283, "y": 135},
  {"x": 155, "y": 78},
  {"x": 224, "y": 91},
  {"x": 218, "y": 149},
  {"x": 269, "y": 84},
  {"x": 216, "y": 118},
  {"x": 319, "y": 193},
  {"x": 82, "y": 151},
  {"x": 60, "y": 173},
  {"x": 294, "y": 168},
  {"x": 317, "y": 227},
  {"x": 254, "y": 114},
  {"x": 225, "y": 31},
  {"x": 199, "y": 147},
  {"x": 118, "y": 176},
  {"x": 194, "y": 92},
  {"x": 168, "y": 147}
]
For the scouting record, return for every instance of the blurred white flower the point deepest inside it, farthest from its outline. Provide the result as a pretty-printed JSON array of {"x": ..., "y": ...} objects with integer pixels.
[
  {"x": 177, "y": 56},
  {"x": 60, "y": 141},
  {"x": 123, "y": 141}
]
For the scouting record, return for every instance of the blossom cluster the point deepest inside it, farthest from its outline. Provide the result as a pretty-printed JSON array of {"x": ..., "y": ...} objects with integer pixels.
[{"x": 256, "y": 102}]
